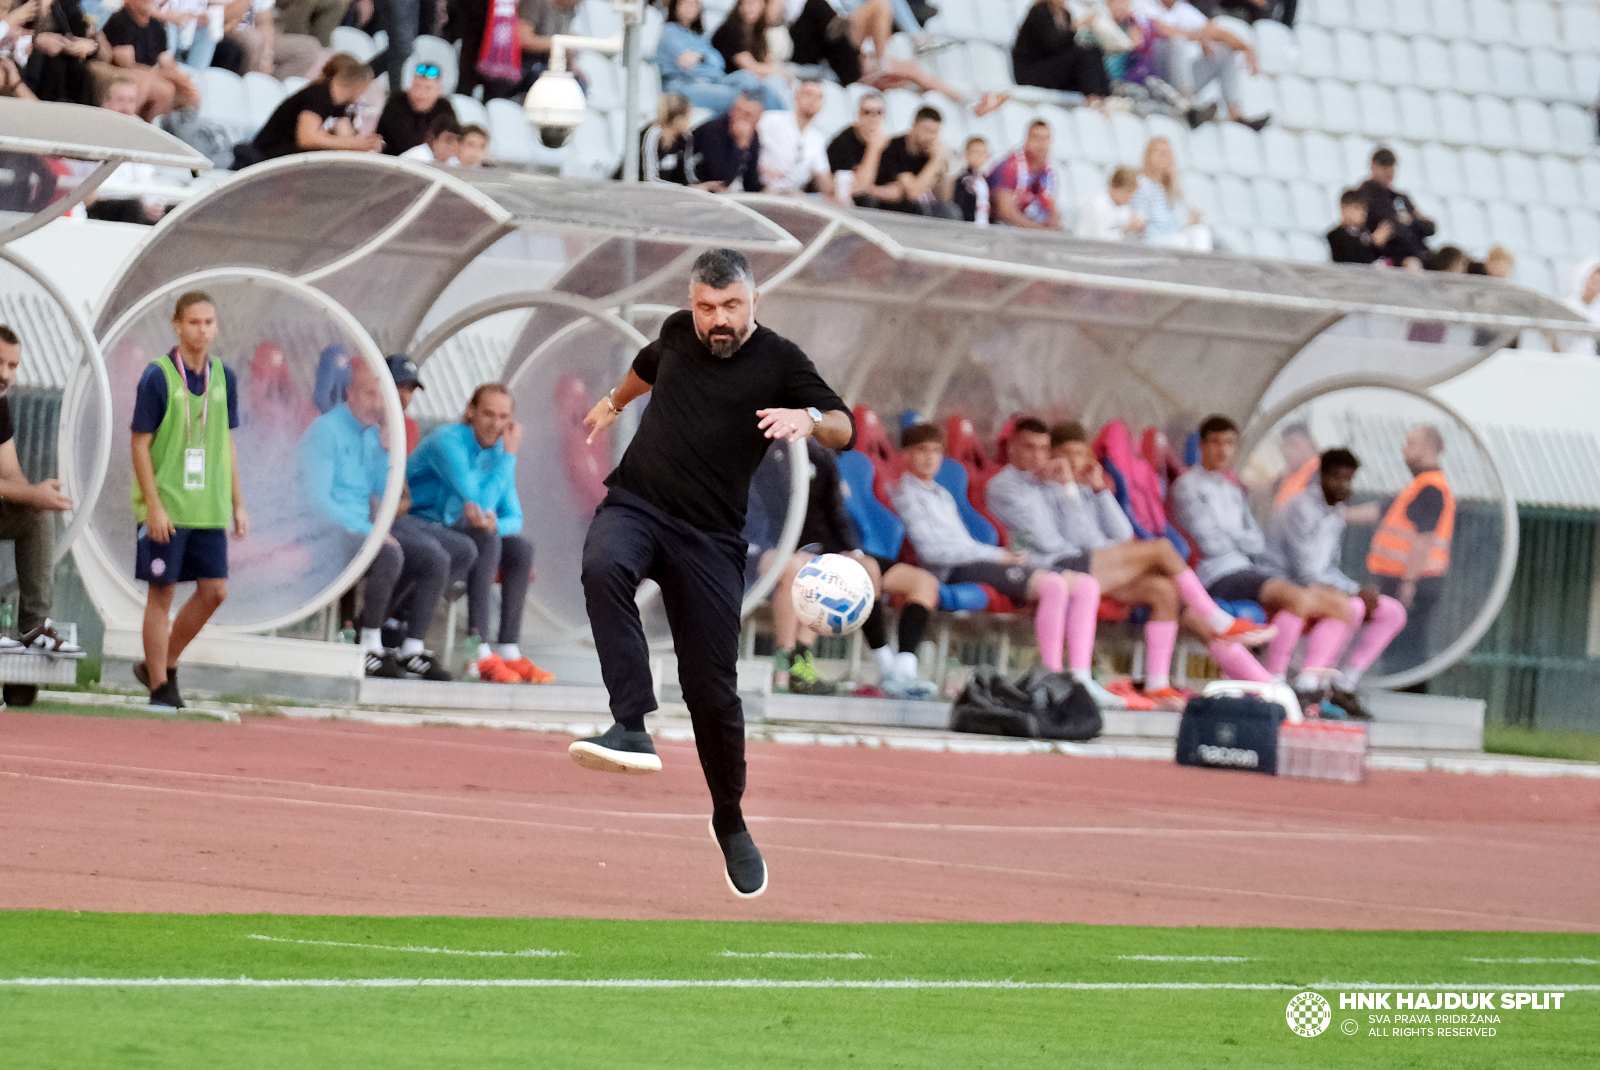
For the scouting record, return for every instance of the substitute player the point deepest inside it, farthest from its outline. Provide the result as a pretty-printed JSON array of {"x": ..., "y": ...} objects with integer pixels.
[
  {"x": 721, "y": 387},
  {"x": 186, "y": 489}
]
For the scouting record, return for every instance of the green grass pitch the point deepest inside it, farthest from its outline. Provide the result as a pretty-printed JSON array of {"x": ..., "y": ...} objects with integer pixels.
[{"x": 112, "y": 990}]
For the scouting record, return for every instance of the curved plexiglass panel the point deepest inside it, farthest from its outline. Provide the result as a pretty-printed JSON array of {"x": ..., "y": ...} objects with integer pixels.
[
  {"x": 60, "y": 394},
  {"x": 1463, "y": 524},
  {"x": 291, "y": 352}
]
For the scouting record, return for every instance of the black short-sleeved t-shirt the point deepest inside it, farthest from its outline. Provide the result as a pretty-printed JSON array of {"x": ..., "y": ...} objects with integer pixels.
[
  {"x": 402, "y": 127},
  {"x": 8, "y": 430},
  {"x": 698, "y": 441},
  {"x": 846, "y": 151},
  {"x": 899, "y": 158},
  {"x": 148, "y": 41},
  {"x": 277, "y": 135},
  {"x": 1426, "y": 509}
]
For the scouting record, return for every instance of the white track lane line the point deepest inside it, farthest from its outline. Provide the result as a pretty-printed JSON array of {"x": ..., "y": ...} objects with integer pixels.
[
  {"x": 892, "y": 859},
  {"x": 894, "y": 826},
  {"x": 532, "y": 952},
  {"x": 751, "y": 982}
]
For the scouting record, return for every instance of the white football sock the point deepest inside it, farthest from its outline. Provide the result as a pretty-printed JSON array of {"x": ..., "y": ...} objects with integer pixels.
[
  {"x": 372, "y": 639},
  {"x": 1219, "y": 619},
  {"x": 484, "y": 650},
  {"x": 885, "y": 656},
  {"x": 508, "y": 652},
  {"x": 410, "y": 647},
  {"x": 1152, "y": 682},
  {"x": 1307, "y": 681},
  {"x": 905, "y": 665},
  {"x": 1352, "y": 677},
  {"x": 1083, "y": 676}
]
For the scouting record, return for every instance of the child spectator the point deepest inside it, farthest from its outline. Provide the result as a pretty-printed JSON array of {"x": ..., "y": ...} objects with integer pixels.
[
  {"x": 442, "y": 145},
  {"x": 1159, "y": 198},
  {"x": 474, "y": 146},
  {"x": 1350, "y": 242},
  {"x": 1109, "y": 214},
  {"x": 972, "y": 185}
]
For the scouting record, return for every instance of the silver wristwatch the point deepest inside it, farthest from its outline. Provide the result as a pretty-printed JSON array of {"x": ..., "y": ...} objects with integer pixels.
[{"x": 816, "y": 417}]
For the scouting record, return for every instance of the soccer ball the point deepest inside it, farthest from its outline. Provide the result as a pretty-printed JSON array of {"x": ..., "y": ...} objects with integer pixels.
[{"x": 833, "y": 594}]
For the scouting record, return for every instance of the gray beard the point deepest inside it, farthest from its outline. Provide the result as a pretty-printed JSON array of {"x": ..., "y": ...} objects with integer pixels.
[{"x": 722, "y": 346}]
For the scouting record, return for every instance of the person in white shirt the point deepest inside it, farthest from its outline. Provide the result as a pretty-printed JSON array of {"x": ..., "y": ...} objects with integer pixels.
[
  {"x": 1191, "y": 51},
  {"x": 793, "y": 152},
  {"x": 442, "y": 144},
  {"x": 1109, "y": 215},
  {"x": 1068, "y": 603}
]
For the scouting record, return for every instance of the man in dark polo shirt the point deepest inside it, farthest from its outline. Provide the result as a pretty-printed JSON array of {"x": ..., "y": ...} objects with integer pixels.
[
  {"x": 25, "y": 520},
  {"x": 915, "y": 170},
  {"x": 721, "y": 389},
  {"x": 728, "y": 147}
]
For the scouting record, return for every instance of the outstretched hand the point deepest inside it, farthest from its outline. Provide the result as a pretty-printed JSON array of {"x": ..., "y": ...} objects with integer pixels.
[{"x": 600, "y": 417}]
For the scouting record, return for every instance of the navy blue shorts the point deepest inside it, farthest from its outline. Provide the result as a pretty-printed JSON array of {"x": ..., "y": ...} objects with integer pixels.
[
  {"x": 1242, "y": 586},
  {"x": 191, "y": 554}
]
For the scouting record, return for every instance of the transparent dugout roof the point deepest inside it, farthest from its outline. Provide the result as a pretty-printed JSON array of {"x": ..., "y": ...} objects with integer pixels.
[{"x": 49, "y": 129}]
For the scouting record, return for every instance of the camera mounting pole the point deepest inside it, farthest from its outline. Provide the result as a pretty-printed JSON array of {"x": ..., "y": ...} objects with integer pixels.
[{"x": 557, "y": 98}]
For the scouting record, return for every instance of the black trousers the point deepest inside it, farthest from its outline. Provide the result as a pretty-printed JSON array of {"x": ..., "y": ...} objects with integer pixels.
[{"x": 701, "y": 575}]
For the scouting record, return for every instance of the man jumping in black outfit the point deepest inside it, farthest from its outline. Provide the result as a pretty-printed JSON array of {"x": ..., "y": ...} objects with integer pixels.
[{"x": 722, "y": 388}]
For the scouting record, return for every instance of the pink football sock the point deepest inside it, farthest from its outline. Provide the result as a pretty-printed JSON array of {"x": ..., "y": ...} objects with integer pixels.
[
  {"x": 1196, "y": 598},
  {"x": 1324, "y": 642},
  {"x": 1237, "y": 663},
  {"x": 1050, "y": 620},
  {"x": 1083, "y": 617},
  {"x": 1387, "y": 621},
  {"x": 1160, "y": 638},
  {"x": 1281, "y": 649}
]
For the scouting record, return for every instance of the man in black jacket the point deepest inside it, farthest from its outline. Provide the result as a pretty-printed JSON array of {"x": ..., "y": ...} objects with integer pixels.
[
  {"x": 721, "y": 388},
  {"x": 1385, "y": 204},
  {"x": 728, "y": 147}
]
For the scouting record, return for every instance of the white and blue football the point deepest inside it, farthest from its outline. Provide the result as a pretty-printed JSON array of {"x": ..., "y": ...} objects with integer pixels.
[{"x": 833, "y": 594}]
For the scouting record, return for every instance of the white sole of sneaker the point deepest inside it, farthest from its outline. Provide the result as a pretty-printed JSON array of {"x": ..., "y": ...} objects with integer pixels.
[
  {"x": 603, "y": 760},
  {"x": 712, "y": 828}
]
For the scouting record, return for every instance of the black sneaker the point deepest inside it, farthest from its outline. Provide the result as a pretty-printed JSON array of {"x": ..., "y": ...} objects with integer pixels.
[
  {"x": 423, "y": 664},
  {"x": 141, "y": 673},
  {"x": 1198, "y": 117},
  {"x": 383, "y": 664},
  {"x": 1349, "y": 703},
  {"x": 1257, "y": 124},
  {"x": 743, "y": 865},
  {"x": 167, "y": 695},
  {"x": 617, "y": 750}
]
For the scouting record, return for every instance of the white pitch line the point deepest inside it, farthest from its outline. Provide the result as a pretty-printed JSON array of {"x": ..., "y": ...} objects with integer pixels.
[
  {"x": 744, "y": 982},
  {"x": 1184, "y": 958},
  {"x": 794, "y": 955},
  {"x": 1540, "y": 962},
  {"x": 532, "y": 952}
]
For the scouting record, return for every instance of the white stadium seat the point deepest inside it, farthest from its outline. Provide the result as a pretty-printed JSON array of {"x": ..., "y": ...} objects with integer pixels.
[
  {"x": 510, "y": 135},
  {"x": 1236, "y": 201},
  {"x": 1441, "y": 168},
  {"x": 1330, "y": 13},
  {"x": 353, "y": 41},
  {"x": 1585, "y": 77},
  {"x": 1469, "y": 226},
  {"x": 264, "y": 93},
  {"x": 470, "y": 112},
  {"x": 1491, "y": 21},
  {"x": 1316, "y": 53},
  {"x": 1323, "y": 160},
  {"x": 1312, "y": 210},
  {"x": 1276, "y": 50},
  {"x": 1307, "y": 247},
  {"x": 1129, "y": 134},
  {"x": 1589, "y": 175},
  {"x": 1391, "y": 55},
  {"x": 1583, "y": 231},
  {"x": 1410, "y": 19},
  {"x": 1535, "y": 129},
  {"x": 1297, "y": 104},
  {"x": 1574, "y": 128},
  {"x": 1470, "y": 63},
  {"x": 1547, "y": 228},
  {"x": 1200, "y": 191},
  {"x": 1558, "y": 178},
  {"x": 1269, "y": 243},
  {"x": 1433, "y": 69},
  {"x": 1373, "y": 14},
  {"x": 1450, "y": 18},
  {"x": 1086, "y": 178},
  {"x": 1094, "y": 136},
  {"x": 1356, "y": 153},
  {"x": 1521, "y": 175},
  {"x": 1458, "y": 121},
  {"x": 1354, "y": 51},
  {"x": 1482, "y": 173},
  {"x": 1551, "y": 74},
  {"x": 606, "y": 83},
  {"x": 1380, "y": 115},
  {"x": 1419, "y": 116},
  {"x": 1497, "y": 127},
  {"x": 223, "y": 99},
  {"x": 991, "y": 66},
  {"x": 1241, "y": 149},
  {"x": 1512, "y": 75},
  {"x": 1508, "y": 225},
  {"x": 1205, "y": 149},
  {"x": 1177, "y": 134},
  {"x": 1337, "y": 102},
  {"x": 1580, "y": 26},
  {"x": 1537, "y": 23},
  {"x": 1273, "y": 207},
  {"x": 1280, "y": 154}
]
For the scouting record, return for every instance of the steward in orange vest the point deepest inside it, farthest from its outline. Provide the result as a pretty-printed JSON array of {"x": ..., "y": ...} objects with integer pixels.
[{"x": 1410, "y": 553}]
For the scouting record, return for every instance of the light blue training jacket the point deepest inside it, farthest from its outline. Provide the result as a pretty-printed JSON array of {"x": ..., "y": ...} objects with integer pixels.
[{"x": 449, "y": 469}]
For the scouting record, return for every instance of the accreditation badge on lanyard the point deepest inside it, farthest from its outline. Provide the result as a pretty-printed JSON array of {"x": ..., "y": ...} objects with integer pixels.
[{"x": 194, "y": 457}]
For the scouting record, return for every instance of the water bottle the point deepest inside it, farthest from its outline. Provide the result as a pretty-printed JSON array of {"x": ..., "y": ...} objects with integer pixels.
[
  {"x": 7, "y": 616},
  {"x": 347, "y": 634}
]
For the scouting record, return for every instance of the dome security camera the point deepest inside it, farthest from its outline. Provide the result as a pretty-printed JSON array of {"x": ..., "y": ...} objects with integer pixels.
[{"x": 556, "y": 106}]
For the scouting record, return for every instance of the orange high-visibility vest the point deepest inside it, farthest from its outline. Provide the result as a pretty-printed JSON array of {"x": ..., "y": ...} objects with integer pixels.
[
  {"x": 1296, "y": 482},
  {"x": 1397, "y": 536}
]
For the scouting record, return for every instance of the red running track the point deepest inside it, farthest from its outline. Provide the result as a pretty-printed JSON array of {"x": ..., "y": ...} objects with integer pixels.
[{"x": 322, "y": 817}]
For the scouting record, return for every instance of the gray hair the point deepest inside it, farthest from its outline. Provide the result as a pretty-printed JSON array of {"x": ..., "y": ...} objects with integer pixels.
[{"x": 722, "y": 268}]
